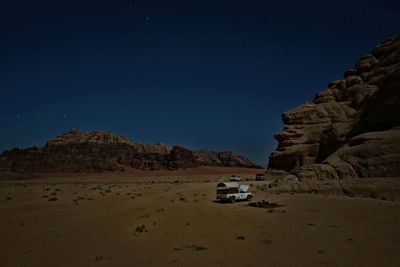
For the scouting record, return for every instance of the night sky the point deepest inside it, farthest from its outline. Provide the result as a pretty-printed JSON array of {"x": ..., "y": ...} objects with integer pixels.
[{"x": 203, "y": 74}]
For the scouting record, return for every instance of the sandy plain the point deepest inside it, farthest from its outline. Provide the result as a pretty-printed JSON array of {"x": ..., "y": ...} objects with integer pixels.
[{"x": 172, "y": 219}]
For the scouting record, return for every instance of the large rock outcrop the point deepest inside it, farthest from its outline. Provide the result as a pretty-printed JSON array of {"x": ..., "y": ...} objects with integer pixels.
[
  {"x": 76, "y": 151},
  {"x": 348, "y": 131},
  {"x": 75, "y": 136},
  {"x": 315, "y": 130},
  {"x": 158, "y": 148},
  {"x": 223, "y": 158},
  {"x": 372, "y": 154}
]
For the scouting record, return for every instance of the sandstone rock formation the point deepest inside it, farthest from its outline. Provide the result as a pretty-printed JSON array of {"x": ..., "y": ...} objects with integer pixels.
[
  {"x": 315, "y": 130},
  {"x": 336, "y": 136},
  {"x": 75, "y": 136},
  {"x": 158, "y": 148},
  {"x": 372, "y": 154},
  {"x": 76, "y": 151},
  {"x": 223, "y": 158}
]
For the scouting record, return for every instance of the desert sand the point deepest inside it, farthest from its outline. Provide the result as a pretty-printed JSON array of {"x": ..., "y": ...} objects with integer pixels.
[{"x": 172, "y": 219}]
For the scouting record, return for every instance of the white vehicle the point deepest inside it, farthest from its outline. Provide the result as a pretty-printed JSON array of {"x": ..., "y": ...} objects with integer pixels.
[
  {"x": 232, "y": 192},
  {"x": 235, "y": 178}
]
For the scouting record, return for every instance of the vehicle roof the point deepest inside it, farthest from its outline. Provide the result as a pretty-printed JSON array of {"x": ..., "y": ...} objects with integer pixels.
[{"x": 228, "y": 185}]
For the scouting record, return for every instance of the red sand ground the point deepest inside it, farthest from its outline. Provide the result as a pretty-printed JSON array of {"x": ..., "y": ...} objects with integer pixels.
[{"x": 96, "y": 221}]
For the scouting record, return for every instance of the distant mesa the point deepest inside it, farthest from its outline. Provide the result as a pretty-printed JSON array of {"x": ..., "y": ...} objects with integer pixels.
[
  {"x": 75, "y": 136},
  {"x": 96, "y": 151},
  {"x": 223, "y": 158},
  {"x": 348, "y": 131}
]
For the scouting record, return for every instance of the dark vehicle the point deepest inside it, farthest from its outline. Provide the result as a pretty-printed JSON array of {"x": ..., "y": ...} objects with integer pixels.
[{"x": 260, "y": 177}]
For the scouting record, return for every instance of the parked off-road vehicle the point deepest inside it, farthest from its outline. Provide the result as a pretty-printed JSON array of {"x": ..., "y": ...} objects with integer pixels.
[
  {"x": 235, "y": 178},
  {"x": 233, "y": 192},
  {"x": 260, "y": 177}
]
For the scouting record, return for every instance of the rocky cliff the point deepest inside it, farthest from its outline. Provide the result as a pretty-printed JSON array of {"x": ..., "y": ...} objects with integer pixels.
[
  {"x": 347, "y": 131},
  {"x": 75, "y": 136},
  {"x": 223, "y": 158},
  {"x": 76, "y": 151}
]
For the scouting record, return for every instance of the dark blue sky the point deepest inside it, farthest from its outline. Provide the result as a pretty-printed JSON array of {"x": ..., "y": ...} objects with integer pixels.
[{"x": 202, "y": 74}]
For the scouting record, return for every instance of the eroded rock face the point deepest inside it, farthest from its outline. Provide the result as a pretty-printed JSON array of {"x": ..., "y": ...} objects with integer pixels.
[
  {"x": 158, "y": 148},
  {"x": 372, "y": 154},
  {"x": 347, "y": 141},
  {"x": 223, "y": 158},
  {"x": 367, "y": 165},
  {"x": 178, "y": 158},
  {"x": 94, "y": 151},
  {"x": 98, "y": 151},
  {"x": 75, "y": 136},
  {"x": 315, "y": 130}
]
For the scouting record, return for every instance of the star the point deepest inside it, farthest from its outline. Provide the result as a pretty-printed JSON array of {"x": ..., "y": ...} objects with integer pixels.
[
  {"x": 147, "y": 18},
  {"x": 65, "y": 116},
  {"x": 18, "y": 116}
]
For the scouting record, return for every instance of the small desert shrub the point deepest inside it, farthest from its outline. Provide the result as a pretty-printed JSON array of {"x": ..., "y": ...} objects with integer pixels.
[
  {"x": 141, "y": 229},
  {"x": 79, "y": 198},
  {"x": 197, "y": 248},
  {"x": 99, "y": 258},
  {"x": 53, "y": 199}
]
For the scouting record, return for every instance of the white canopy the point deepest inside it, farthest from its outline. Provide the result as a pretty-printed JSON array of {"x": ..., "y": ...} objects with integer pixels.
[
  {"x": 228, "y": 185},
  {"x": 244, "y": 187}
]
